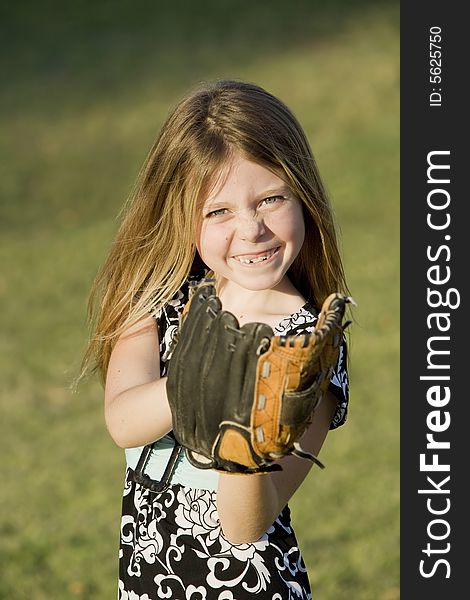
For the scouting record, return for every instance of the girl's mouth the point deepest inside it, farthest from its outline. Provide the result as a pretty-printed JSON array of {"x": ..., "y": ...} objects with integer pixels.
[{"x": 259, "y": 257}]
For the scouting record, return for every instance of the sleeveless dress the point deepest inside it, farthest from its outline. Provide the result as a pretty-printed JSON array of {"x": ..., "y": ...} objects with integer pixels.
[{"x": 171, "y": 542}]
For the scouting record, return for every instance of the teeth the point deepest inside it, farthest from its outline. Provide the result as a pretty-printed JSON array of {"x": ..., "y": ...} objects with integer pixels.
[
  {"x": 252, "y": 260},
  {"x": 258, "y": 259}
]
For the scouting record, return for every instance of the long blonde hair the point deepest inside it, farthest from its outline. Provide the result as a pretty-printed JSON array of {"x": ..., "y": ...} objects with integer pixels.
[{"x": 154, "y": 249}]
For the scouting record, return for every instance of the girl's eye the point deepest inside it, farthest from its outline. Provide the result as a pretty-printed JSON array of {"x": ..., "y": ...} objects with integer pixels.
[
  {"x": 272, "y": 200},
  {"x": 216, "y": 213}
]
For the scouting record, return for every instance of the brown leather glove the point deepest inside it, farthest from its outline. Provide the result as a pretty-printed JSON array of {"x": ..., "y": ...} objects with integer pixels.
[{"x": 242, "y": 397}]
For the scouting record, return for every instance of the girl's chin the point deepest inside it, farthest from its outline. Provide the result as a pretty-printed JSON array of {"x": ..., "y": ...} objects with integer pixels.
[{"x": 256, "y": 282}]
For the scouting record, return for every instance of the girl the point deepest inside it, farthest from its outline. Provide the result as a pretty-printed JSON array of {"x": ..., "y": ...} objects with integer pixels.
[{"x": 230, "y": 190}]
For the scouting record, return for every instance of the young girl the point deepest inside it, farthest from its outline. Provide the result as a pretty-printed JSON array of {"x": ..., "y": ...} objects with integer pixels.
[{"x": 229, "y": 190}]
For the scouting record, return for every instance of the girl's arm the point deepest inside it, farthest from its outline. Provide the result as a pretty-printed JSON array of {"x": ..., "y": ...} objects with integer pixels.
[
  {"x": 249, "y": 504},
  {"x": 136, "y": 406}
]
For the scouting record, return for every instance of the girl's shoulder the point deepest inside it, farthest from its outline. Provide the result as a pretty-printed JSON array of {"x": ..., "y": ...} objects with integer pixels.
[
  {"x": 173, "y": 307},
  {"x": 168, "y": 320},
  {"x": 301, "y": 321}
]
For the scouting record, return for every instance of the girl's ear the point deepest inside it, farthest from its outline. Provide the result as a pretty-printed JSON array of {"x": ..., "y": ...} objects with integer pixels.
[{"x": 199, "y": 267}]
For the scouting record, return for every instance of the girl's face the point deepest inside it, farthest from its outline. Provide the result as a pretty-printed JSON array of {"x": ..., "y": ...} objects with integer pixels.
[{"x": 252, "y": 226}]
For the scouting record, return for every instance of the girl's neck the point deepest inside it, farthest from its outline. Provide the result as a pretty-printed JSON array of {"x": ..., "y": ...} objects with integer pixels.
[{"x": 268, "y": 305}]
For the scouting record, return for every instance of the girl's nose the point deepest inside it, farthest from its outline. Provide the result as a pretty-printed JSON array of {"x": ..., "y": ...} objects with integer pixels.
[{"x": 251, "y": 227}]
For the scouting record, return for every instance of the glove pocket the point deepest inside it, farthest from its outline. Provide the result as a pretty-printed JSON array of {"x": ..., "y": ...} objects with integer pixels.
[{"x": 297, "y": 407}]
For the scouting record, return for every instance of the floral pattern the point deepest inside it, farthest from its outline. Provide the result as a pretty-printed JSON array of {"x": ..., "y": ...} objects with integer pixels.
[{"x": 172, "y": 545}]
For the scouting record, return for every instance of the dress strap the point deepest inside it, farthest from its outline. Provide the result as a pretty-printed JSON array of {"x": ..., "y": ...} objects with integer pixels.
[{"x": 140, "y": 477}]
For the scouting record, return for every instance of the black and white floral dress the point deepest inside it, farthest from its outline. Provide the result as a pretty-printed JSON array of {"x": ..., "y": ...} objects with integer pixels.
[{"x": 172, "y": 545}]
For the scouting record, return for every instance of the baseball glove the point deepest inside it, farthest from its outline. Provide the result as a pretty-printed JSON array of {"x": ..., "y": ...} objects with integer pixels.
[{"x": 242, "y": 397}]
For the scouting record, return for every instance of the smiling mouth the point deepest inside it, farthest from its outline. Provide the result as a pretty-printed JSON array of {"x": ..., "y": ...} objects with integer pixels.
[{"x": 251, "y": 259}]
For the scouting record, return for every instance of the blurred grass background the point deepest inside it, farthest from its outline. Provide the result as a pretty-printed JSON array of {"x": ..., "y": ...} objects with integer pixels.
[{"x": 85, "y": 89}]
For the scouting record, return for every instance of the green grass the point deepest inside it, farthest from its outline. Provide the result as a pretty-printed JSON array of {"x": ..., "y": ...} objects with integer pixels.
[{"x": 87, "y": 92}]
